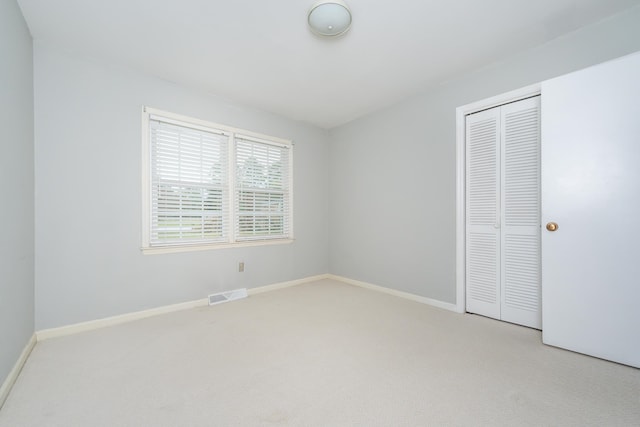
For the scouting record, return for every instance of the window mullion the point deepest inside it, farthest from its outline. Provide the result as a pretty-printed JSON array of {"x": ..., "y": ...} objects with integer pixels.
[{"x": 232, "y": 193}]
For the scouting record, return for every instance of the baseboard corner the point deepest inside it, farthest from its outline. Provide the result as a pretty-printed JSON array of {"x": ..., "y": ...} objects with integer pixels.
[
  {"x": 282, "y": 285},
  {"x": 8, "y": 383},
  {"x": 406, "y": 295}
]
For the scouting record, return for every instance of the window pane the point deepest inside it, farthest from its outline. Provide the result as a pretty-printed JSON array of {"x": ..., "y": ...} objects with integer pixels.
[
  {"x": 262, "y": 196},
  {"x": 188, "y": 184}
]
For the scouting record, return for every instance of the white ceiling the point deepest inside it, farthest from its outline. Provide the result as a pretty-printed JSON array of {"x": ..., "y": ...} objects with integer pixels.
[{"x": 260, "y": 53}]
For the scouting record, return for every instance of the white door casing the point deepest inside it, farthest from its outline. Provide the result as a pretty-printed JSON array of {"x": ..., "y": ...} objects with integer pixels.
[
  {"x": 503, "y": 212},
  {"x": 461, "y": 180}
]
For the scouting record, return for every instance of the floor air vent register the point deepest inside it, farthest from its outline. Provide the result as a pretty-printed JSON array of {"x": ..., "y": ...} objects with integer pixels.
[{"x": 227, "y": 296}]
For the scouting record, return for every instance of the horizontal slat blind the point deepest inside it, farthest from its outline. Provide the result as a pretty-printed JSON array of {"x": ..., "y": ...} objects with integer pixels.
[
  {"x": 189, "y": 185},
  {"x": 262, "y": 196}
]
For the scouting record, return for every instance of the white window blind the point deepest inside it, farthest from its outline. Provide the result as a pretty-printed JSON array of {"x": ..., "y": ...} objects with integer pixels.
[
  {"x": 208, "y": 185},
  {"x": 262, "y": 190},
  {"x": 189, "y": 185}
]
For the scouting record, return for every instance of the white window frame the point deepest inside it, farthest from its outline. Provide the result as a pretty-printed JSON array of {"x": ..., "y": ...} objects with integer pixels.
[{"x": 233, "y": 241}]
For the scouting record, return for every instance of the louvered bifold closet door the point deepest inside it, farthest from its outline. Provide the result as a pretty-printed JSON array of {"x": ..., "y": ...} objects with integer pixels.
[
  {"x": 482, "y": 220},
  {"x": 520, "y": 254}
]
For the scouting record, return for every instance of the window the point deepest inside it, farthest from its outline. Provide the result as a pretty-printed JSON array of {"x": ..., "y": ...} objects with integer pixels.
[{"x": 207, "y": 185}]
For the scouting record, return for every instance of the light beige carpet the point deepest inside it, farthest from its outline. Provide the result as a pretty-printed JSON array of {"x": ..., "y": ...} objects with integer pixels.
[{"x": 320, "y": 354}]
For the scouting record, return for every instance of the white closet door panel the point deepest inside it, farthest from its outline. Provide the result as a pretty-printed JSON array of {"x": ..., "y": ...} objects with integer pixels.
[
  {"x": 520, "y": 201},
  {"x": 483, "y": 274},
  {"x": 520, "y": 295},
  {"x": 482, "y": 222}
]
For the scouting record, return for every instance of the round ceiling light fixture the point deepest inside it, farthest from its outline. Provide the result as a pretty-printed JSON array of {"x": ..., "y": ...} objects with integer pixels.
[{"x": 329, "y": 18}]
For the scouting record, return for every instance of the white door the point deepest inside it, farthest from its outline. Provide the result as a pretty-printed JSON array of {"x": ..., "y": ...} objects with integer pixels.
[
  {"x": 591, "y": 189},
  {"x": 520, "y": 213},
  {"x": 503, "y": 212},
  {"x": 482, "y": 213}
]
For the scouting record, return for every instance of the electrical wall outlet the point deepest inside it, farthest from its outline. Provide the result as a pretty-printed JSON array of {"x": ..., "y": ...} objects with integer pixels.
[{"x": 241, "y": 267}]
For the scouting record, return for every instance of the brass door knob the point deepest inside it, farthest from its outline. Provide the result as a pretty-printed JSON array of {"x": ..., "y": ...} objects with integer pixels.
[{"x": 552, "y": 226}]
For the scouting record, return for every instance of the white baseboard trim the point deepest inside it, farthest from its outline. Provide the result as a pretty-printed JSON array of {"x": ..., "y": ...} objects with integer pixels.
[
  {"x": 401, "y": 294},
  {"x": 276, "y": 286},
  {"x": 90, "y": 325},
  {"x": 13, "y": 374},
  {"x": 129, "y": 317}
]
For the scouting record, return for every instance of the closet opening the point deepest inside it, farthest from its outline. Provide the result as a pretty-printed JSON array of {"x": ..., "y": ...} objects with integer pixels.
[{"x": 498, "y": 208}]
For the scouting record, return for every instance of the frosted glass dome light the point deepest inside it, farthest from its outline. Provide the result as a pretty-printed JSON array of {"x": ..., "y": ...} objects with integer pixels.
[{"x": 329, "y": 18}]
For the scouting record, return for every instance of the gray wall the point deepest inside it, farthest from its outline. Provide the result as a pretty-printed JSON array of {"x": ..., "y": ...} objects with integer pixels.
[
  {"x": 88, "y": 196},
  {"x": 397, "y": 228},
  {"x": 16, "y": 176}
]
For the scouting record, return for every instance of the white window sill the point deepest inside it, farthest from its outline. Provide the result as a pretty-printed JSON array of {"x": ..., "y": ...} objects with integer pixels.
[{"x": 192, "y": 248}]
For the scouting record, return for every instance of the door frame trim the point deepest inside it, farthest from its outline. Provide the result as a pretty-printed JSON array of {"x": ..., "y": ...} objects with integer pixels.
[{"x": 461, "y": 113}]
